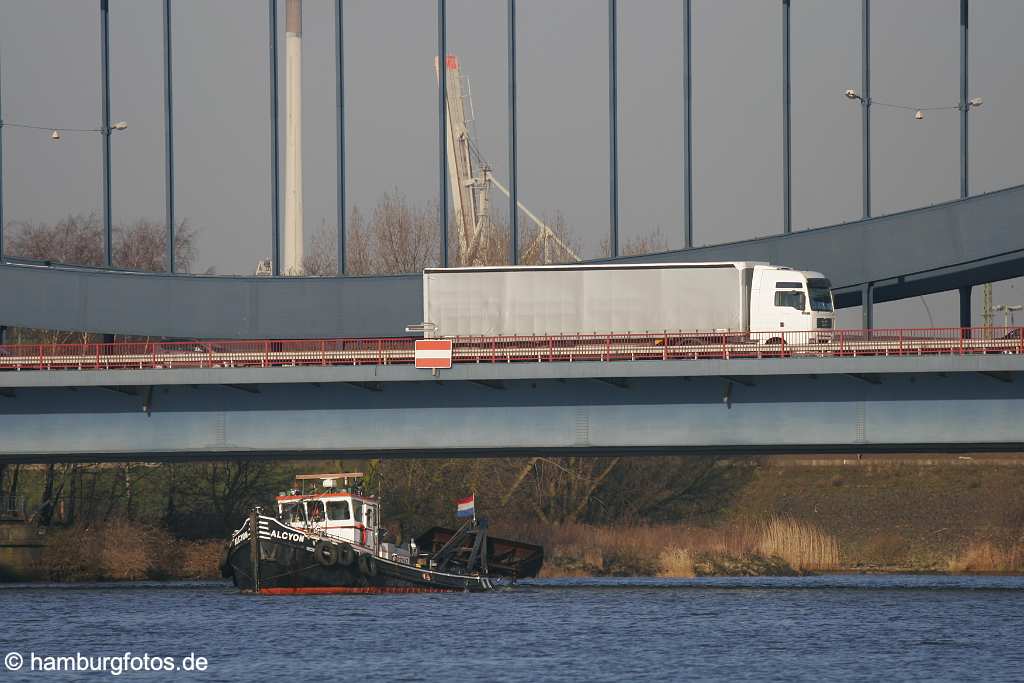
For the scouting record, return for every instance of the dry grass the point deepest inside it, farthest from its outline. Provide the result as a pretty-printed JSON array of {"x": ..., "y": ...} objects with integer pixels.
[
  {"x": 200, "y": 559},
  {"x": 987, "y": 557},
  {"x": 684, "y": 551},
  {"x": 676, "y": 563},
  {"x": 126, "y": 551},
  {"x": 803, "y": 546}
]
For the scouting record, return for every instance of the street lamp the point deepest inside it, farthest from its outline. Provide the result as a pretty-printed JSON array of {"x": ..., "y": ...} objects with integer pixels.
[
  {"x": 55, "y": 135},
  {"x": 852, "y": 94}
]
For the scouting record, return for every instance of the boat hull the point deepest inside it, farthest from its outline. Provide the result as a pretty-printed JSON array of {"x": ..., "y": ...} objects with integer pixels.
[{"x": 288, "y": 563}]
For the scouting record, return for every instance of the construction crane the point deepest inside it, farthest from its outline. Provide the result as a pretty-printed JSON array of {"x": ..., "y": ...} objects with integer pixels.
[{"x": 471, "y": 180}]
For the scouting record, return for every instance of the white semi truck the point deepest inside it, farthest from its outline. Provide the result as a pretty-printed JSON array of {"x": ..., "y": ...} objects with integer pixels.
[{"x": 732, "y": 297}]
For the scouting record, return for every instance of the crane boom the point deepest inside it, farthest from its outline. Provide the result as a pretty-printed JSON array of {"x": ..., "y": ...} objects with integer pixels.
[{"x": 471, "y": 178}]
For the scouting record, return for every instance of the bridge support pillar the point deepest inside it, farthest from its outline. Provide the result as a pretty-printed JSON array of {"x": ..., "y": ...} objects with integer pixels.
[
  {"x": 867, "y": 306},
  {"x": 965, "y": 307}
]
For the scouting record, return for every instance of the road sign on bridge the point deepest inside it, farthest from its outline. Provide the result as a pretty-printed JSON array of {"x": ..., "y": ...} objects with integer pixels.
[{"x": 434, "y": 353}]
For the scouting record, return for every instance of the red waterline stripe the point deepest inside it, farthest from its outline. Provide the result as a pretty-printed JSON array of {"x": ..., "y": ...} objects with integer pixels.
[{"x": 334, "y": 590}]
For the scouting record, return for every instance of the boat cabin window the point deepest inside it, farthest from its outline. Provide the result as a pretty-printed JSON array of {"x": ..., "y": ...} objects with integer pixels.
[
  {"x": 315, "y": 508},
  {"x": 357, "y": 510},
  {"x": 338, "y": 510},
  {"x": 293, "y": 513}
]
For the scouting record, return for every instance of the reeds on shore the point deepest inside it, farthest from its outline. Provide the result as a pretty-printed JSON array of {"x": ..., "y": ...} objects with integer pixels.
[
  {"x": 803, "y": 546},
  {"x": 775, "y": 545},
  {"x": 984, "y": 557}
]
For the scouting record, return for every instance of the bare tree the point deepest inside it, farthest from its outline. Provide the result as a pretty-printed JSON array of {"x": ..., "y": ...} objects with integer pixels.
[
  {"x": 222, "y": 491},
  {"x": 649, "y": 243},
  {"x": 321, "y": 259},
  {"x": 358, "y": 248},
  {"x": 142, "y": 245},
  {"x": 404, "y": 238},
  {"x": 76, "y": 239}
]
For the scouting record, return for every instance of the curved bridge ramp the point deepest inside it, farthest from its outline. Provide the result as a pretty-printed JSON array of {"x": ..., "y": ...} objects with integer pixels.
[{"x": 933, "y": 249}]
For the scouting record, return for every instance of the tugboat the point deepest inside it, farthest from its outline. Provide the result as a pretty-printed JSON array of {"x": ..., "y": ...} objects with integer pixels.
[{"x": 326, "y": 537}]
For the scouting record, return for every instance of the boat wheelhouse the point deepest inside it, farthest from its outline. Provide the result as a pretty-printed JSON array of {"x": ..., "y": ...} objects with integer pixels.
[{"x": 338, "y": 509}]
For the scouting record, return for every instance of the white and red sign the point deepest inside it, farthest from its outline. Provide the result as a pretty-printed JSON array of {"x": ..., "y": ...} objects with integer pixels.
[{"x": 434, "y": 353}]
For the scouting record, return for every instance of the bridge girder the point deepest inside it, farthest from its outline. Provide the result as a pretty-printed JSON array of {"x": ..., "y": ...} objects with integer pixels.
[{"x": 539, "y": 410}]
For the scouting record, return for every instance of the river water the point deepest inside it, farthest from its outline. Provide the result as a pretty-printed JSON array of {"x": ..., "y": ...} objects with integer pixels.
[{"x": 848, "y": 627}]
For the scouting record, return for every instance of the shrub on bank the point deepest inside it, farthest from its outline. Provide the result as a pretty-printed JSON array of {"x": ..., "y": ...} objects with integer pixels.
[{"x": 126, "y": 551}]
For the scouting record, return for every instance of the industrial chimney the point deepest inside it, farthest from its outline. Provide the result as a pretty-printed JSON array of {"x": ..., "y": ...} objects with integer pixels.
[{"x": 292, "y": 252}]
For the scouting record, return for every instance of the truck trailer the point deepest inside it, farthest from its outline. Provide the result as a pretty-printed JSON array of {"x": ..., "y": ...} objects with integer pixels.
[{"x": 745, "y": 298}]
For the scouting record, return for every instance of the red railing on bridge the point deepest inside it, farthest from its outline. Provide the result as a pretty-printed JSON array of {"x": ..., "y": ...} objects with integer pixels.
[{"x": 665, "y": 345}]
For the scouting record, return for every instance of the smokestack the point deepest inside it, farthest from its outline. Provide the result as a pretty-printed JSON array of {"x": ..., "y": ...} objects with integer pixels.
[{"x": 292, "y": 252}]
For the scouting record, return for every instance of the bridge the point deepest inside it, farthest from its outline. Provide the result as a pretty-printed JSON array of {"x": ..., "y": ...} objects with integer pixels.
[
  {"x": 970, "y": 240},
  {"x": 349, "y": 388},
  {"x": 869, "y": 391}
]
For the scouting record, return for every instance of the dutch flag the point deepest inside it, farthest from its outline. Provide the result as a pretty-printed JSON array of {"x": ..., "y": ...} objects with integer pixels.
[{"x": 466, "y": 507}]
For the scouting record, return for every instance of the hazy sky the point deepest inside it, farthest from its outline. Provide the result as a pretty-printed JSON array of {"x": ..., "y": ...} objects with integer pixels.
[{"x": 51, "y": 76}]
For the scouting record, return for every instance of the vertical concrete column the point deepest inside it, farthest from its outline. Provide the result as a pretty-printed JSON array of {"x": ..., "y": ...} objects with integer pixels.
[
  {"x": 293, "y": 233},
  {"x": 965, "y": 306},
  {"x": 867, "y": 305}
]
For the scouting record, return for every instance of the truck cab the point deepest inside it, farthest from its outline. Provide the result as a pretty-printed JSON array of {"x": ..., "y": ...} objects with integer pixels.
[{"x": 790, "y": 304}]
